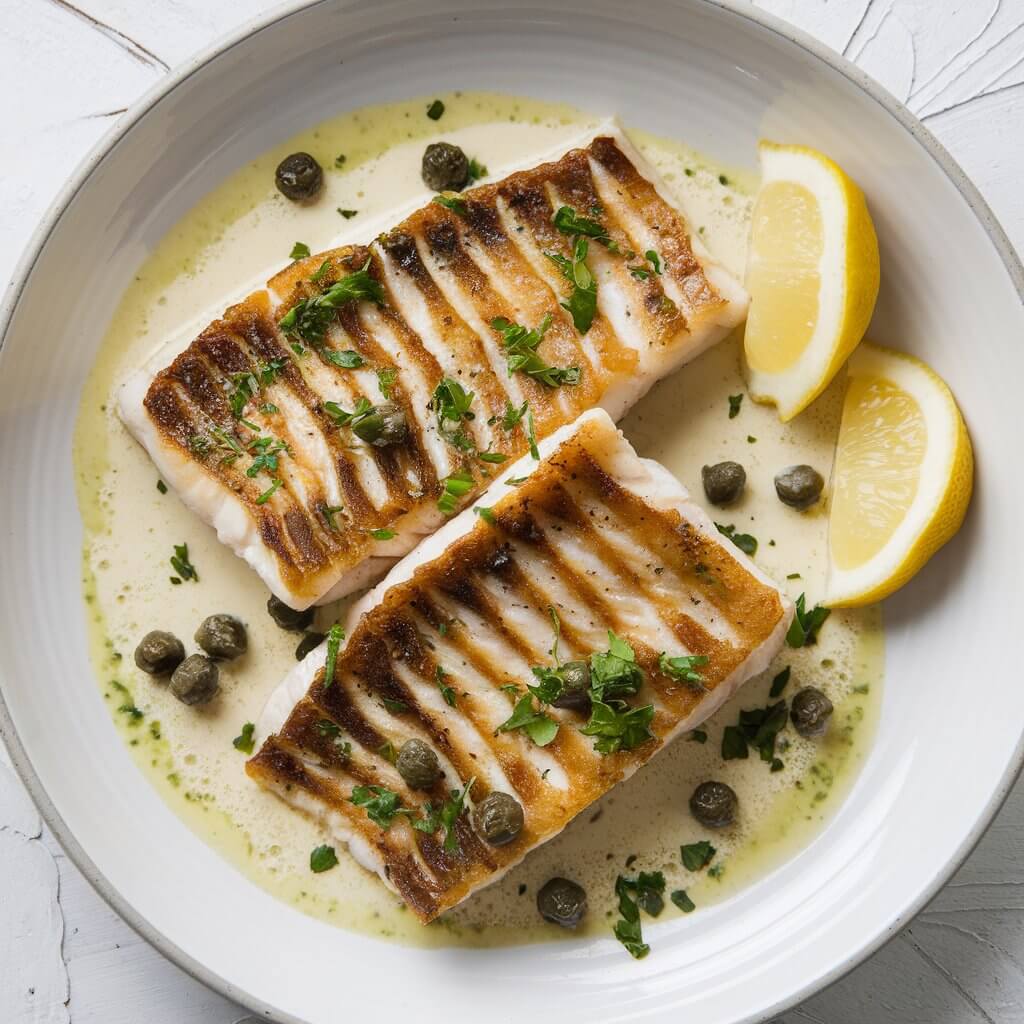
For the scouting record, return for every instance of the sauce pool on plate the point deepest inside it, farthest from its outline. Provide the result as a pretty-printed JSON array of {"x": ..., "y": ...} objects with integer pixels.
[{"x": 372, "y": 160}]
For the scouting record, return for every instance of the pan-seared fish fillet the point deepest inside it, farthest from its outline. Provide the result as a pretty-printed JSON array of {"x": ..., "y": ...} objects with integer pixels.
[
  {"x": 240, "y": 426},
  {"x": 610, "y": 542}
]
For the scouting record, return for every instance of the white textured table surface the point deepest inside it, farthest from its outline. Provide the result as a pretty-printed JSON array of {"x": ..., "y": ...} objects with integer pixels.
[{"x": 67, "y": 71}]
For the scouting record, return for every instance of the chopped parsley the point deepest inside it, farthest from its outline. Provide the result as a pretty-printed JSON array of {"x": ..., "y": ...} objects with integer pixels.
[
  {"x": 696, "y": 856},
  {"x": 266, "y": 452},
  {"x": 486, "y": 514},
  {"x": 381, "y": 804},
  {"x": 744, "y": 541},
  {"x": 531, "y": 436},
  {"x": 614, "y": 673},
  {"x": 698, "y": 736},
  {"x": 346, "y": 359},
  {"x": 684, "y": 667},
  {"x": 310, "y": 318},
  {"x": 735, "y": 401},
  {"x": 435, "y": 110},
  {"x": 249, "y": 384},
  {"x": 335, "y": 635},
  {"x": 779, "y": 682},
  {"x": 641, "y": 273},
  {"x": 329, "y": 512},
  {"x": 366, "y": 421},
  {"x": 511, "y": 417},
  {"x": 536, "y": 724},
  {"x": 757, "y": 728},
  {"x": 347, "y": 214},
  {"x": 339, "y": 160},
  {"x": 245, "y": 740},
  {"x": 299, "y": 251},
  {"x": 448, "y": 692},
  {"x": 682, "y": 901},
  {"x": 734, "y": 744},
  {"x": 477, "y": 170},
  {"x": 446, "y": 816},
  {"x": 617, "y": 729},
  {"x": 456, "y": 486},
  {"x": 396, "y": 707},
  {"x": 386, "y": 381},
  {"x": 582, "y": 302},
  {"x": 521, "y": 345},
  {"x": 495, "y": 458},
  {"x": 454, "y": 203},
  {"x": 451, "y": 404},
  {"x": 569, "y": 222},
  {"x": 267, "y": 408},
  {"x": 181, "y": 564},
  {"x": 382, "y": 534},
  {"x": 646, "y": 891},
  {"x": 323, "y": 858},
  {"x": 135, "y": 715},
  {"x": 269, "y": 492},
  {"x": 161, "y": 486},
  {"x": 803, "y": 630}
]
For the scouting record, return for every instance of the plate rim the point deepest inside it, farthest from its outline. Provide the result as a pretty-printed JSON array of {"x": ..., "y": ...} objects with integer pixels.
[{"x": 836, "y": 61}]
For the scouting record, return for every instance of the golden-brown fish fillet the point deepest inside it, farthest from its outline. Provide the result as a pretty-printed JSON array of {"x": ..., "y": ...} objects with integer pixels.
[
  {"x": 247, "y": 424},
  {"x": 607, "y": 540}
]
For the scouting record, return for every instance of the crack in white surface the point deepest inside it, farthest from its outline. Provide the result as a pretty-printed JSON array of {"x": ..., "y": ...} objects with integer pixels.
[
  {"x": 943, "y": 973},
  {"x": 135, "y": 49},
  {"x": 972, "y": 99}
]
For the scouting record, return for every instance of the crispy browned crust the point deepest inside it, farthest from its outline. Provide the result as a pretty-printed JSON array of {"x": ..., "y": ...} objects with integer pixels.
[
  {"x": 507, "y": 224},
  {"x": 569, "y": 492}
]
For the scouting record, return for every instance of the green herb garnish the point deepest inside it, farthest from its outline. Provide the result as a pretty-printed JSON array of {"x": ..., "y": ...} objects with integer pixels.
[
  {"x": 698, "y": 736},
  {"x": 628, "y": 929},
  {"x": 396, "y": 707},
  {"x": 181, "y": 565},
  {"x": 451, "y": 404},
  {"x": 476, "y": 169},
  {"x": 161, "y": 486},
  {"x": 346, "y": 359},
  {"x": 803, "y": 630},
  {"x": 456, "y": 486},
  {"x": 682, "y": 901},
  {"x": 615, "y": 673},
  {"x": 779, "y": 682},
  {"x": 454, "y": 203},
  {"x": 335, "y": 636},
  {"x": 684, "y": 667},
  {"x": 299, "y": 251},
  {"x": 381, "y": 804},
  {"x": 382, "y": 534},
  {"x": 329, "y": 512},
  {"x": 135, "y": 715},
  {"x": 696, "y": 856},
  {"x": 569, "y": 222},
  {"x": 511, "y": 417},
  {"x": 323, "y": 858},
  {"x": 245, "y": 741},
  {"x": 582, "y": 302},
  {"x": 521, "y": 345},
  {"x": 269, "y": 492},
  {"x": 446, "y": 816},
  {"x": 531, "y": 436},
  {"x": 386, "y": 381},
  {"x": 448, "y": 692},
  {"x": 744, "y": 541},
  {"x": 536, "y": 724},
  {"x": 248, "y": 385},
  {"x": 435, "y": 110},
  {"x": 734, "y": 744},
  {"x": 495, "y": 458},
  {"x": 618, "y": 726},
  {"x": 735, "y": 401},
  {"x": 347, "y": 214},
  {"x": 310, "y": 318},
  {"x": 266, "y": 452}
]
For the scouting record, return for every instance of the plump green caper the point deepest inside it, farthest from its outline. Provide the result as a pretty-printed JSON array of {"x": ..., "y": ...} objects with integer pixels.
[
  {"x": 723, "y": 482},
  {"x": 714, "y": 804},
  {"x": 575, "y": 695},
  {"x": 159, "y": 653},
  {"x": 310, "y": 642},
  {"x": 287, "y": 617},
  {"x": 798, "y": 486},
  {"x": 299, "y": 176},
  {"x": 562, "y": 902},
  {"x": 196, "y": 680},
  {"x": 498, "y": 818},
  {"x": 386, "y": 425},
  {"x": 418, "y": 765},
  {"x": 810, "y": 711},
  {"x": 445, "y": 167},
  {"x": 222, "y": 636}
]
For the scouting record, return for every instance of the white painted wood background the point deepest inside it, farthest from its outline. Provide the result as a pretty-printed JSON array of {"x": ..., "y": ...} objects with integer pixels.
[{"x": 67, "y": 72}]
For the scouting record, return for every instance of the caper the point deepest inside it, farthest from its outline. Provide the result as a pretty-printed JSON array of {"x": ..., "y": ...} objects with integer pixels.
[
  {"x": 562, "y": 902},
  {"x": 498, "y": 818},
  {"x": 575, "y": 695},
  {"x": 196, "y": 680},
  {"x": 798, "y": 486},
  {"x": 723, "y": 482},
  {"x": 810, "y": 711},
  {"x": 310, "y": 642},
  {"x": 445, "y": 167},
  {"x": 159, "y": 653},
  {"x": 287, "y": 617},
  {"x": 222, "y": 636},
  {"x": 386, "y": 425},
  {"x": 299, "y": 176},
  {"x": 714, "y": 804},
  {"x": 418, "y": 765}
]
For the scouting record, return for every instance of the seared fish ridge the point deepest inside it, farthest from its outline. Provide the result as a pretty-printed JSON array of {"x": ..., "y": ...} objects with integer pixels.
[
  {"x": 606, "y": 540},
  {"x": 248, "y": 423}
]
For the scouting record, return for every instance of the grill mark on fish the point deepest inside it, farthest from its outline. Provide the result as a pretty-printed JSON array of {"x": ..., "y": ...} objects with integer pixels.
[{"x": 450, "y": 275}]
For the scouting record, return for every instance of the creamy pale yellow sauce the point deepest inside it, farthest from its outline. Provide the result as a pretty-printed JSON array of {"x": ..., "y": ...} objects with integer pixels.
[{"x": 245, "y": 228}]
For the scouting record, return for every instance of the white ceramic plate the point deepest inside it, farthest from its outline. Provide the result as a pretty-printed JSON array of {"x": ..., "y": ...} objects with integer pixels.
[{"x": 949, "y": 743}]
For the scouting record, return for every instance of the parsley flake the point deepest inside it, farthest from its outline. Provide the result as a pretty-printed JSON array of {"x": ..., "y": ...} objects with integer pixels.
[
  {"x": 181, "y": 564},
  {"x": 803, "y": 630},
  {"x": 380, "y": 803},
  {"x": 310, "y": 318},
  {"x": 323, "y": 858},
  {"x": 536, "y": 724},
  {"x": 435, "y": 110},
  {"x": 335, "y": 636},
  {"x": 521, "y": 344},
  {"x": 744, "y": 541},
  {"x": 697, "y": 856},
  {"x": 456, "y": 486},
  {"x": 245, "y": 742},
  {"x": 448, "y": 692},
  {"x": 299, "y": 251}
]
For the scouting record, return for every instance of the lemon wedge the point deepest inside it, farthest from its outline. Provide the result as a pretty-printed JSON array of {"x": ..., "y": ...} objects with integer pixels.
[
  {"x": 903, "y": 476},
  {"x": 812, "y": 275}
]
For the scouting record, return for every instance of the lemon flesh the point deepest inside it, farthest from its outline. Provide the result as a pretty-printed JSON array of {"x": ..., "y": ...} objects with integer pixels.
[
  {"x": 902, "y": 479},
  {"x": 812, "y": 274}
]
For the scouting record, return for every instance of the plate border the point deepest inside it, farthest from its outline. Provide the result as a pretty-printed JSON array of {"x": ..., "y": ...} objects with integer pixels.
[{"x": 174, "y": 78}]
